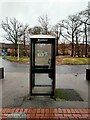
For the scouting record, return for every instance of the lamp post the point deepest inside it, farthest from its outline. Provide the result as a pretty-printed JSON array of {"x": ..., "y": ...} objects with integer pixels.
[{"x": 18, "y": 52}]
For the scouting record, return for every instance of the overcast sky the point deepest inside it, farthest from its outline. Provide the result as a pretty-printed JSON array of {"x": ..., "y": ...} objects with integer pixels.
[{"x": 28, "y": 11}]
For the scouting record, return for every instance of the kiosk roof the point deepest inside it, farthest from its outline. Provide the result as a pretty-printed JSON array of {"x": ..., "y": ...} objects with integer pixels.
[{"x": 42, "y": 36}]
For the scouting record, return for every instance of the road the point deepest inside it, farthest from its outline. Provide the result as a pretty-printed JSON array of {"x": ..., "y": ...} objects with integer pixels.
[
  {"x": 13, "y": 67},
  {"x": 60, "y": 69}
]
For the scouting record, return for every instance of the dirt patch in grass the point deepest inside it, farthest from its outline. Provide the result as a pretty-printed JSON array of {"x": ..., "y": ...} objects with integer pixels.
[{"x": 67, "y": 95}]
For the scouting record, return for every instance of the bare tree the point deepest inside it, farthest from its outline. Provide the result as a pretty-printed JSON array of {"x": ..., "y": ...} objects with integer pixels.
[
  {"x": 24, "y": 39},
  {"x": 73, "y": 24},
  {"x": 13, "y": 30},
  {"x": 36, "y": 30},
  {"x": 25, "y": 34},
  {"x": 67, "y": 29},
  {"x": 85, "y": 21},
  {"x": 59, "y": 30},
  {"x": 78, "y": 36},
  {"x": 44, "y": 21}
]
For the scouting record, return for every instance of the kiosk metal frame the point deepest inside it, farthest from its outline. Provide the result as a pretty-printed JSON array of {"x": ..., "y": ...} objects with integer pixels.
[{"x": 46, "y": 70}]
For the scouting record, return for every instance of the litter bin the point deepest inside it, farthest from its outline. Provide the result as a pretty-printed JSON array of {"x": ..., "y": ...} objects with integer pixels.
[
  {"x": 87, "y": 74},
  {"x": 1, "y": 73}
]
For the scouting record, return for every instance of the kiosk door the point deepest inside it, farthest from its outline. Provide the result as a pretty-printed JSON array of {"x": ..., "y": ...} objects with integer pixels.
[{"x": 42, "y": 80}]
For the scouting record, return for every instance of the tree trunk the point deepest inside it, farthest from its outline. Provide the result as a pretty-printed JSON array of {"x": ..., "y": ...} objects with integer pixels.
[
  {"x": 75, "y": 50},
  {"x": 82, "y": 52},
  {"x": 86, "y": 40},
  {"x": 57, "y": 47},
  {"x": 16, "y": 48},
  {"x": 63, "y": 49},
  {"x": 78, "y": 52},
  {"x": 72, "y": 51}
]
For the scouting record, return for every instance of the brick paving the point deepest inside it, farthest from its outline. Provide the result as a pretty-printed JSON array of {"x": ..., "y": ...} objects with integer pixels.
[{"x": 47, "y": 113}]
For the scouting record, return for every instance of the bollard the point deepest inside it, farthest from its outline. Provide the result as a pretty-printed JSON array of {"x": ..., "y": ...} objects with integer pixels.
[
  {"x": 87, "y": 74},
  {"x": 1, "y": 73}
]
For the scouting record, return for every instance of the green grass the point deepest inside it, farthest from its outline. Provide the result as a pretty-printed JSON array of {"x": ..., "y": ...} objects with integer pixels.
[
  {"x": 15, "y": 59},
  {"x": 76, "y": 61},
  {"x": 65, "y": 61}
]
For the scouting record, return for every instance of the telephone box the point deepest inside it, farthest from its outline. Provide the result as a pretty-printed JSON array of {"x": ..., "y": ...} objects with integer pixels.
[{"x": 42, "y": 65}]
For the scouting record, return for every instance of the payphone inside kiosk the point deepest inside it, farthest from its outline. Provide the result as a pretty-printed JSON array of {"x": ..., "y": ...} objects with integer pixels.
[{"x": 42, "y": 65}]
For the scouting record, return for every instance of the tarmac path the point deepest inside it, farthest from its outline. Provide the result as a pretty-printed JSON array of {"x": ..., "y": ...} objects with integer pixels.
[{"x": 15, "y": 85}]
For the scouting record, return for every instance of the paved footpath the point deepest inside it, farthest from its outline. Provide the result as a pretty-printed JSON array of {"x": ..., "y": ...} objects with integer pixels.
[{"x": 47, "y": 114}]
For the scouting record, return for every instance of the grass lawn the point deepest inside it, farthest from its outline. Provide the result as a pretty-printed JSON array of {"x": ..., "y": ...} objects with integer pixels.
[
  {"x": 59, "y": 60},
  {"x": 15, "y": 59},
  {"x": 76, "y": 61}
]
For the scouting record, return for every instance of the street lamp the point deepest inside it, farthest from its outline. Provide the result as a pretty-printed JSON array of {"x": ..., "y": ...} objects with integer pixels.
[{"x": 18, "y": 52}]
